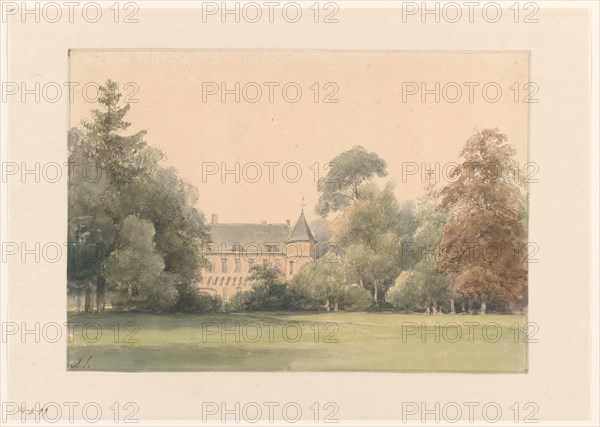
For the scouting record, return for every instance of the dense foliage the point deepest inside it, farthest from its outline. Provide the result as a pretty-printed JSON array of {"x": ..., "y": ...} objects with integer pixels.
[
  {"x": 135, "y": 235},
  {"x": 133, "y": 228}
]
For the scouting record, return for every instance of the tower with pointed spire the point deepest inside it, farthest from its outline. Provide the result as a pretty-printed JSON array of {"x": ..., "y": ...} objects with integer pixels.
[{"x": 300, "y": 246}]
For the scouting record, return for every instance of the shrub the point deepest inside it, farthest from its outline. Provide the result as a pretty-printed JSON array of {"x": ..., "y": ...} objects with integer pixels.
[
  {"x": 273, "y": 297},
  {"x": 355, "y": 298},
  {"x": 191, "y": 300}
]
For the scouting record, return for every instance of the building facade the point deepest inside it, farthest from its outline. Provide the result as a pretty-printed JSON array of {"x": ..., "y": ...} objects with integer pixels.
[{"x": 236, "y": 248}]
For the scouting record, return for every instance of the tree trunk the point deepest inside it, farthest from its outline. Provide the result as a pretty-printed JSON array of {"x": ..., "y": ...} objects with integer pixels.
[
  {"x": 327, "y": 304},
  {"x": 462, "y": 305},
  {"x": 470, "y": 306},
  {"x": 483, "y": 308},
  {"x": 100, "y": 292},
  {"x": 434, "y": 309},
  {"x": 88, "y": 298},
  {"x": 376, "y": 294},
  {"x": 452, "y": 311},
  {"x": 335, "y": 305},
  {"x": 78, "y": 301}
]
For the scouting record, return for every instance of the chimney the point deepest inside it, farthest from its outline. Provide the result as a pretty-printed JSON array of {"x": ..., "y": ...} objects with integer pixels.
[
  {"x": 215, "y": 219},
  {"x": 287, "y": 221},
  {"x": 263, "y": 222}
]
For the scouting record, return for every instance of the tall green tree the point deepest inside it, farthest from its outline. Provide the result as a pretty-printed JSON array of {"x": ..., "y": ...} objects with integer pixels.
[
  {"x": 368, "y": 232},
  {"x": 91, "y": 230},
  {"x": 168, "y": 202},
  {"x": 347, "y": 172},
  {"x": 424, "y": 286},
  {"x": 117, "y": 176},
  {"x": 115, "y": 157},
  {"x": 135, "y": 271},
  {"x": 324, "y": 281},
  {"x": 375, "y": 267},
  {"x": 115, "y": 154}
]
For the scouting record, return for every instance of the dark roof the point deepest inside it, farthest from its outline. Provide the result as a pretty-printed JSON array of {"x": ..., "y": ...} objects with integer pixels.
[
  {"x": 225, "y": 236},
  {"x": 301, "y": 231},
  {"x": 248, "y": 235}
]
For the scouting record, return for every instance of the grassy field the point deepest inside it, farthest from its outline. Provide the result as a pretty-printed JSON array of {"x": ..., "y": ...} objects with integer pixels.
[{"x": 297, "y": 342}]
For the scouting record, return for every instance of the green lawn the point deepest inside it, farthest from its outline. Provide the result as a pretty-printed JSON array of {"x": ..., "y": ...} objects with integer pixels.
[{"x": 297, "y": 342}]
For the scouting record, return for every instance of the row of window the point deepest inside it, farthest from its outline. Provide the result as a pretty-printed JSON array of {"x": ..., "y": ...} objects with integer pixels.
[
  {"x": 246, "y": 248},
  {"x": 227, "y": 281},
  {"x": 238, "y": 265}
]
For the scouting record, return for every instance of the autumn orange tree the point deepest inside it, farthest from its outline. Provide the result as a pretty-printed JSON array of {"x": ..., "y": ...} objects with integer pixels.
[{"x": 484, "y": 239}]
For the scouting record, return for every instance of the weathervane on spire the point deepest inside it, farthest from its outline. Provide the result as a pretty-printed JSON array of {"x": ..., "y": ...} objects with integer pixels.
[{"x": 302, "y": 204}]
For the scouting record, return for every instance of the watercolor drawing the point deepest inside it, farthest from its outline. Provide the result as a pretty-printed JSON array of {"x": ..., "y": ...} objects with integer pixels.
[{"x": 299, "y": 210}]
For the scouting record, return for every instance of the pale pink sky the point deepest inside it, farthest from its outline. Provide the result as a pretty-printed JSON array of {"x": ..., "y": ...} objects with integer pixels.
[{"x": 195, "y": 133}]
